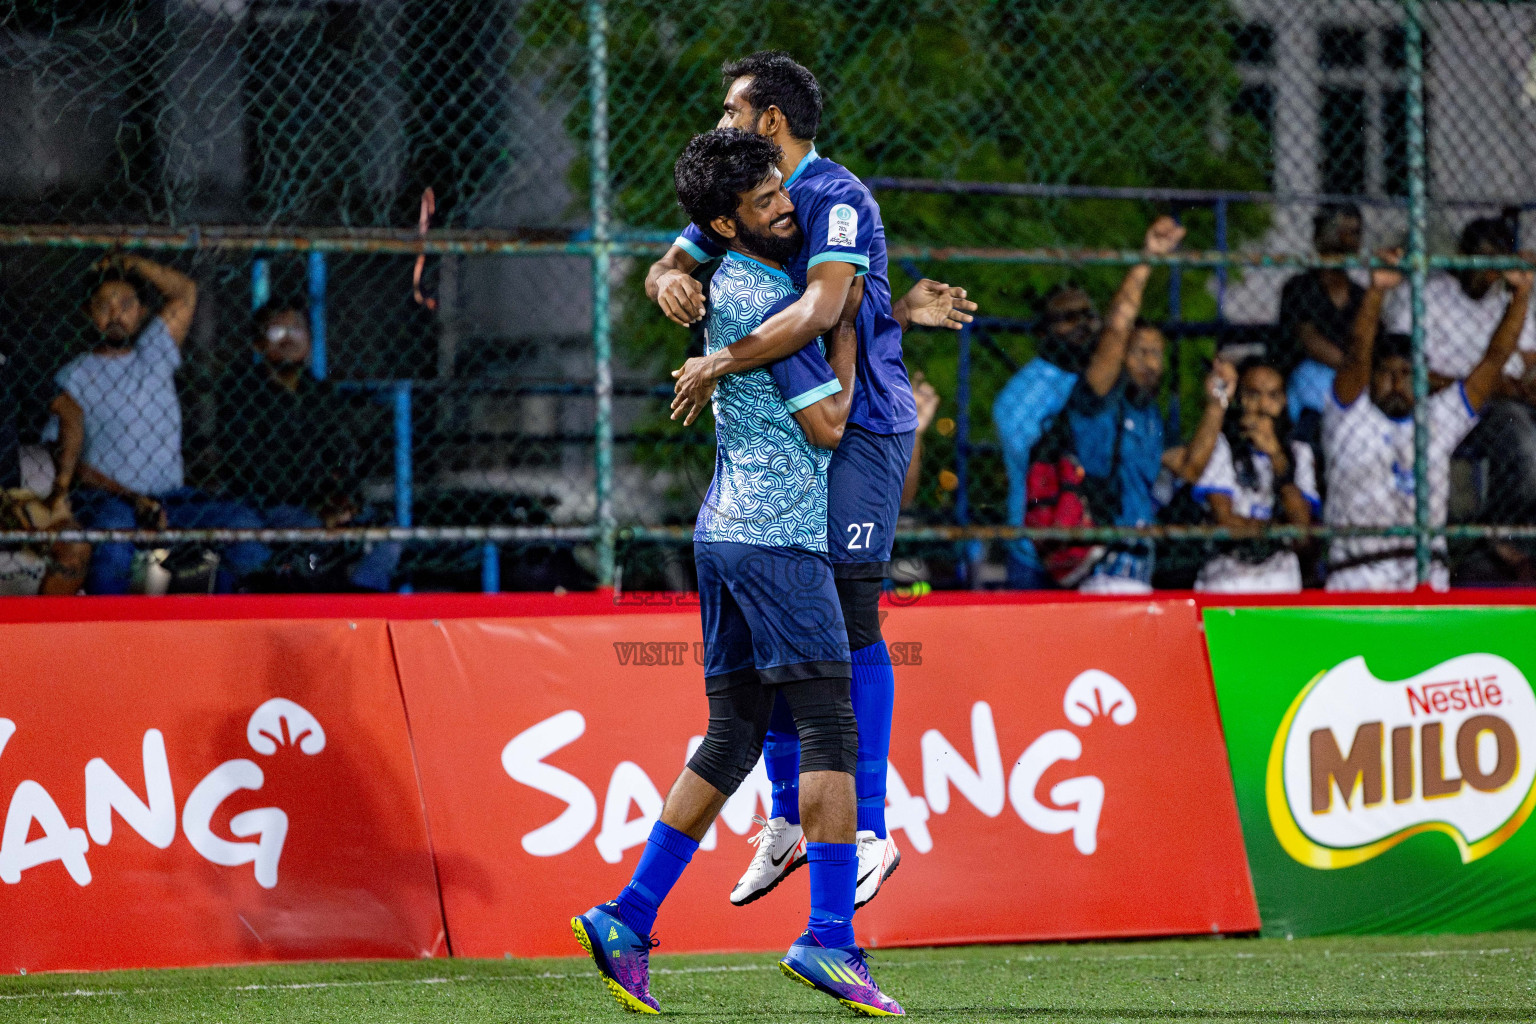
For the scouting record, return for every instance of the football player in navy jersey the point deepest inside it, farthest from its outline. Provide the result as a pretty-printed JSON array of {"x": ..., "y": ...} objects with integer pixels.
[{"x": 771, "y": 95}]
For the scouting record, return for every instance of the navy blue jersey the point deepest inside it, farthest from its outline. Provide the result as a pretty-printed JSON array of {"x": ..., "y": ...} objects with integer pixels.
[
  {"x": 864, "y": 485},
  {"x": 841, "y": 221}
]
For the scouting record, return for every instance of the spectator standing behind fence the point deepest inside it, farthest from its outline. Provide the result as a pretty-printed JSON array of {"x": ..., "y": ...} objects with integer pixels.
[
  {"x": 118, "y": 424},
  {"x": 284, "y": 444},
  {"x": 1258, "y": 473},
  {"x": 1368, "y": 436},
  {"x": 1317, "y": 313},
  {"x": 1076, "y": 350},
  {"x": 1463, "y": 308}
]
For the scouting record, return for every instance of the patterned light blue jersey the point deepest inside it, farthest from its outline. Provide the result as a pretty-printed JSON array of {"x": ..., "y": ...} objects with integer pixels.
[
  {"x": 841, "y": 222},
  {"x": 770, "y": 485}
]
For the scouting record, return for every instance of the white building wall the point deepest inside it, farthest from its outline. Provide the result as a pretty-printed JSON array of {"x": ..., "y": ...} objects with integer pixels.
[{"x": 1481, "y": 93}]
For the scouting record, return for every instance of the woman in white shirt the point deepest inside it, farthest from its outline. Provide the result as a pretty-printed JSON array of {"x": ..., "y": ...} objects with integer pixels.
[{"x": 1257, "y": 475}]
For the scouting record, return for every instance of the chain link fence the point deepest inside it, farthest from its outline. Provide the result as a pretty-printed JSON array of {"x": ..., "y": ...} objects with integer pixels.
[{"x": 501, "y": 423}]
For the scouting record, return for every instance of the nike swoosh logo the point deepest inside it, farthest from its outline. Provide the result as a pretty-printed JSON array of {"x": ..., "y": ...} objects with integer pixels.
[
  {"x": 866, "y": 875},
  {"x": 780, "y": 860}
]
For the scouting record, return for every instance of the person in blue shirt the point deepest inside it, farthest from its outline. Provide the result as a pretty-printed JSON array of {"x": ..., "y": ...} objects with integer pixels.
[
  {"x": 772, "y": 625},
  {"x": 1107, "y": 385},
  {"x": 768, "y": 93}
]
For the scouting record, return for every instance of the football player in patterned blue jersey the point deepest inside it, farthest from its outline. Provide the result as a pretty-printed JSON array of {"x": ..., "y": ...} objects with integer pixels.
[
  {"x": 843, "y": 243},
  {"x": 773, "y": 628}
]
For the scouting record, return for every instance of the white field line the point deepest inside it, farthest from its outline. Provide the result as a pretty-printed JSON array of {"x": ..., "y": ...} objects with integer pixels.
[{"x": 87, "y": 993}]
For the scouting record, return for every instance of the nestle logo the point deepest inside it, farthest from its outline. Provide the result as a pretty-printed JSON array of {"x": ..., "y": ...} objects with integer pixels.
[
  {"x": 1374, "y": 774},
  {"x": 1454, "y": 695}
]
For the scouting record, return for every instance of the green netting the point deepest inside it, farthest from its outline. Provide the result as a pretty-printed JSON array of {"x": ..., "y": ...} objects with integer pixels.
[{"x": 1012, "y": 147}]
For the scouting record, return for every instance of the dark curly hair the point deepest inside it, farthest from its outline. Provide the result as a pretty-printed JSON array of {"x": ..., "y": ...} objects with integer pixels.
[
  {"x": 115, "y": 272},
  {"x": 778, "y": 81},
  {"x": 1493, "y": 234},
  {"x": 715, "y": 168},
  {"x": 1232, "y": 425}
]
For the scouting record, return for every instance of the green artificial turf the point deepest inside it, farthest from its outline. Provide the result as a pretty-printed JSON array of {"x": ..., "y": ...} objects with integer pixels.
[{"x": 1420, "y": 978}]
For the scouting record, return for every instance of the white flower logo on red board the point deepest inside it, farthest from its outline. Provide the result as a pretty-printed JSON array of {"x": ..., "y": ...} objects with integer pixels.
[
  {"x": 277, "y": 723},
  {"x": 1072, "y": 805}
]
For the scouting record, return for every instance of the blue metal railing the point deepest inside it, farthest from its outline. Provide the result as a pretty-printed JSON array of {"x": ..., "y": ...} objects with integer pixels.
[
  {"x": 398, "y": 394},
  {"x": 1176, "y": 328}
]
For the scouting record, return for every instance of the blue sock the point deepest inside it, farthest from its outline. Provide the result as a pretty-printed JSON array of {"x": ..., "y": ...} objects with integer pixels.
[
  {"x": 834, "y": 876},
  {"x": 874, "y": 698},
  {"x": 781, "y": 756},
  {"x": 666, "y": 853}
]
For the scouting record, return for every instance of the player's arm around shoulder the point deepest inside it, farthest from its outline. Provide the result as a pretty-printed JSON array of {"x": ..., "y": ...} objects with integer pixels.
[
  {"x": 824, "y": 419},
  {"x": 839, "y": 228}
]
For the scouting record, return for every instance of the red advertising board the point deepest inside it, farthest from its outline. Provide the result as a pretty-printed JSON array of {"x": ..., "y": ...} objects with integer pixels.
[
  {"x": 1053, "y": 775},
  {"x": 183, "y": 793}
]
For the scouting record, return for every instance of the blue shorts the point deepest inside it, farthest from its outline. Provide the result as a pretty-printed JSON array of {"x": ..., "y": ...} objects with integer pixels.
[
  {"x": 771, "y": 612},
  {"x": 864, "y": 484}
]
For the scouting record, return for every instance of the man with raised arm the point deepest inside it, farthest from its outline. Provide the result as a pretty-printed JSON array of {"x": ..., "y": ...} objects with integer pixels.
[
  {"x": 1368, "y": 438},
  {"x": 117, "y": 418}
]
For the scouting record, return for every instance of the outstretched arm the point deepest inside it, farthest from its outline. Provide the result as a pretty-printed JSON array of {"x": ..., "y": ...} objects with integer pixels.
[
  {"x": 671, "y": 285},
  {"x": 932, "y": 303},
  {"x": 1486, "y": 377},
  {"x": 1188, "y": 462},
  {"x": 1109, "y": 356},
  {"x": 1354, "y": 374}
]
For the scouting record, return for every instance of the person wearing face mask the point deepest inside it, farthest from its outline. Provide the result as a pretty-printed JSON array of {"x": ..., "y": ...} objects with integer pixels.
[
  {"x": 1075, "y": 348},
  {"x": 283, "y": 441},
  {"x": 1258, "y": 473},
  {"x": 117, "y": 422}
]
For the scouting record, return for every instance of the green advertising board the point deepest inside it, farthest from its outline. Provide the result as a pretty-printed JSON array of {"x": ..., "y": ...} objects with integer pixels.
[{"x": 1385, "y": 764}]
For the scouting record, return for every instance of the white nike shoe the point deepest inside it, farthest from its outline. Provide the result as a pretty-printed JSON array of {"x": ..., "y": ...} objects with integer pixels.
[
  {"x": 780, "y": 850},
  {"x": 878, "y": 860}
]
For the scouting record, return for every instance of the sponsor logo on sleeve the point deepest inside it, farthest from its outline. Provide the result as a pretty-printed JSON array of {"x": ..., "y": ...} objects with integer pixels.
[
  {"x": 1360, "y": 764},
  {"x": 842, "y": 225}
]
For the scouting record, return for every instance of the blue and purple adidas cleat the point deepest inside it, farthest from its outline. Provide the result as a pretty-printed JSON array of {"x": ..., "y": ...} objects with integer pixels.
[
  {"x": 622, "y": 955},
  {"x": 841, "y": 974}
]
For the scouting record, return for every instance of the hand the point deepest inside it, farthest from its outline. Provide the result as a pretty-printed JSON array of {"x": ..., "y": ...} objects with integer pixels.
[
  {"x": 927, "y": 401},
  {"x": 149, "y": 512},
  {"x": 1519, "y": 281},
  {"x": 693, "y": 390},
  {"x": 1221, "y": 383},
  {"x": 1527, "y": 386},
  {"x": 681, "y": 297},
  {"x": 932, "y": 303},
  {"x": 1260, "y": 431},
  {"x": 1384, "y": 279},
  {"x": 58, "y": 504},
  {"x": 1163, "y": 236},
  {"x": 338, "y": 512}
]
